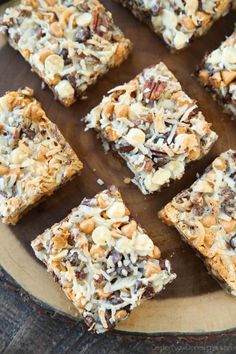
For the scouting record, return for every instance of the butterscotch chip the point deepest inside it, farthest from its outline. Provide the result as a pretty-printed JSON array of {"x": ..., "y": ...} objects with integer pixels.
[
  {"x": 217, "y": 73},
  {"x": 158, "y": 132},
  {"x": 76, "y": 40},
  {"x": 206, "y": 218},
  {"x": 101, "y": 271},
  {"x": 37, "y": 159}
]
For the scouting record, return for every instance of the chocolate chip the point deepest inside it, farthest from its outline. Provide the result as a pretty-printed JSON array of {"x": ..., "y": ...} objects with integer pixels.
[
  {"x": 115, "y": 255},
  {"x": 155, "y": 9},
  {"x": 126, "y": 148},
  {"x": 39, "y": 33},
  {"x": 162, "y": 264},
  {"x": 149, "y": 292},
  {"x": 64, "y": 54},
  {"x": 16, "y": 37},
  {"x": 107, "y": 318},
  {"x": 115, "y": 298},
  {"x": 29, "y": 133},
  {"x": 127, "y": 308},
  {"x": 71, "y": 240},
  {"x": 71, "y": 79},
  {"x": 80, "y": 274},
  {"x": 89, "y": 321},
  {"x": 232, "y": 242},
  {"x": 138, "y": 286},
  {"x": 198, "y": 210},
  {"x": 233, "y": 176},
  {"x": 123, "y": 271},
  {"x": 82, "y": 35},
  {"x": 74, "y": 259},
  {"x": 89, "y": 202},
  {"x": 55, "y": 278},
  {"x": 228, "y": 204}
]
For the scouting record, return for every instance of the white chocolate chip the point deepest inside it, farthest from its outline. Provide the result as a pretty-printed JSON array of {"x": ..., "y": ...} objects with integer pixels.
[
  {"x": 215, "y": 57},
  {"x": 229, "y": 54},
  {"x": 191, "y": 6},
  {"x": 161, "y": 176},
  {"x": 176, "y": 168},
  {"x": 143, "y": 244},
  {"x": 84, "y": 20},
  {"x": 64, "y": 89},
  {"x": 135, "y": 137},
  {"x": 203, "y": 187},
  {"x": 169, "y": 19},
  {"x": 180, "y": 40},
  {"x": 54, "y": 64},
  {"x": 18, "y": 155},
  {"x": 101, "y": 235},
  {"x": 151, "y": 187},
  {"x": 117, "y": 210},
  {"x": 124, "y": 245}
]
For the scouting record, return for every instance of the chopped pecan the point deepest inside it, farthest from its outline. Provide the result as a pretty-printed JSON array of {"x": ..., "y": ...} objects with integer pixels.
[
  {"x": 153, "y": 90},
  {"x": 159, "y": 158},
  {"x": 99, "y": 24},
  {"x": 148, "y": 165}
]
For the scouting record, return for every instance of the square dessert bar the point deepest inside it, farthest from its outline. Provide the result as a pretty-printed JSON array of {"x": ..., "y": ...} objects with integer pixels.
[
  {"x": 154, "y": 126},
  {"x": 68, "y": 43},
  {"x": 178, "y": 22},
  {"x": 35, "y": 159},
  {"x": 218, "y": 74},
  {"x": 205, "y": 216},
  {"x": 104, "y": 261}
]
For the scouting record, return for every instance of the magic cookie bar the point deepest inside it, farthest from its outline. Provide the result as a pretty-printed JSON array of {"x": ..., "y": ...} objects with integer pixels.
[
  {"x": 35, "y": 159},
  {"x": 154, "y": 126},
  {"x": 68, "y": 43},
  {"x": 103, "y": 260},
  {"x": 178, "y": 22},
  {"x": 218, "y": 74},
  {"x": 205, "y": 216}
]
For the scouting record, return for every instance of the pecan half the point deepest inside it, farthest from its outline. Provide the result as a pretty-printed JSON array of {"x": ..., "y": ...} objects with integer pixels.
[{"x": 153, "y": 90}]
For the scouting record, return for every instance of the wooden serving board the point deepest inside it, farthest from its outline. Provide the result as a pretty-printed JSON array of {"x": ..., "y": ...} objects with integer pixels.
[{"x": 193, "y": 303}]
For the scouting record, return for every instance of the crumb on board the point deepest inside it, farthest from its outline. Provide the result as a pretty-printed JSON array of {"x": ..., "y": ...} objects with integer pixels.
[
  {"x": 127, "y": 180},
  {"x": 100, "y": 182}
]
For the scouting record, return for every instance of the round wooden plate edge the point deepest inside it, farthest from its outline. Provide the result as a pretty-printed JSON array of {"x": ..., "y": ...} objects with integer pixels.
[{"x": 43, "y": 309}]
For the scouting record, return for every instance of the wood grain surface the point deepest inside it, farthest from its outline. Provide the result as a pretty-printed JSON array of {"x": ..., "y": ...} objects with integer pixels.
[
  {"x": 193, "y": 303},
  {"x": 24, "y": 331}
]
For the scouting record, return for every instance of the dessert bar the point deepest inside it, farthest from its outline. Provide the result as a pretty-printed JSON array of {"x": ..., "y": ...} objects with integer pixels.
[
  {"x": 104, "y": 261},
  {"x": 35, "y": 159},
  {"x": 154, "y": 126},
  {"x": 178, "y": 22},
  {"x": 205, "y": 216},
  {"x": 218, "y": 73},
  {"x": 68, "y": 43}
]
